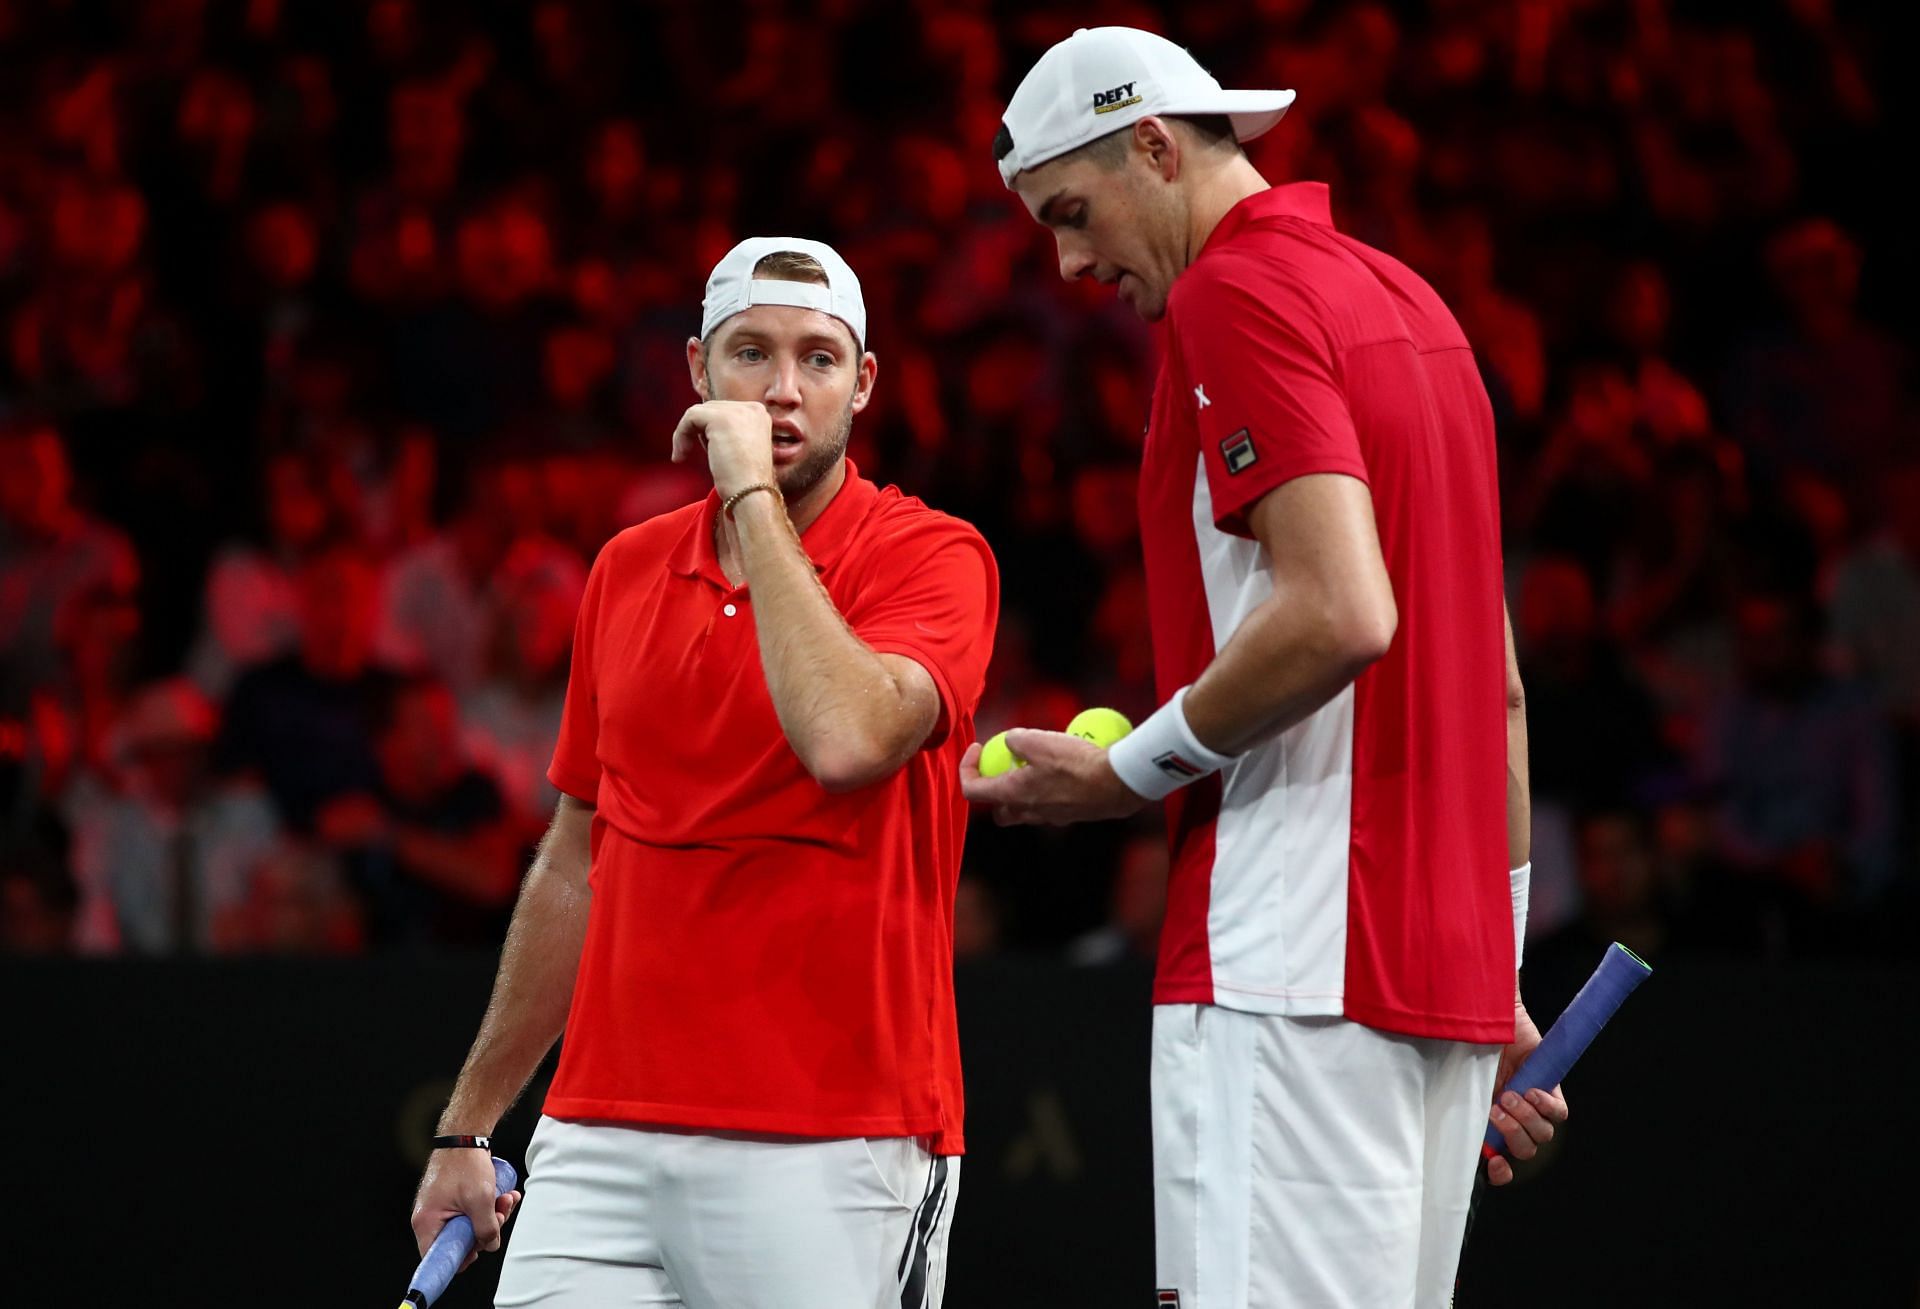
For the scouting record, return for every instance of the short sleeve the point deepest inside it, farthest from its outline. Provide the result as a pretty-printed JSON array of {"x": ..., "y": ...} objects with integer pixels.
[
  {"x": 576, "y": 756},
  {"x": 935, "y": 600},
  {"x": 1254, "y": 352}
]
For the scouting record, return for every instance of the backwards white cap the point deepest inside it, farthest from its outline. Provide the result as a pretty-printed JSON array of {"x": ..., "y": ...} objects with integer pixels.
[
  {"x": 1102, "y": 79},
  {"x": 732, "y": 287}
]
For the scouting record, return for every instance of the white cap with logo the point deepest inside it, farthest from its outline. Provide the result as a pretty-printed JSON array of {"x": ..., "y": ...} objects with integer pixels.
[
  {"x": 1102, "y": 79},
  {"x": 732, "y": 287}
]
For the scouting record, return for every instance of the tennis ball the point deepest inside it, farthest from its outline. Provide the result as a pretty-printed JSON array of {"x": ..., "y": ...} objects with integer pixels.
[
  {"x": 1101, "y": 726},
  {"x": 996, "y": 758}
]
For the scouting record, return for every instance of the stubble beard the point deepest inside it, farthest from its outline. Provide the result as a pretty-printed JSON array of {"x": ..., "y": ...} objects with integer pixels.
[{"x": 797, "y": 479}]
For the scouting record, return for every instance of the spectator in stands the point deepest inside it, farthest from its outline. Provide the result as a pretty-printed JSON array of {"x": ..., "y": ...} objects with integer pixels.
[
  {"x": 1578, "y": 498},
  {"x": 513, "y": 717},
  {"x": 1620, "y": 894},
  {"x": 438, "y": 605},
  {"x": 75, "y": 713},
  {"x": 430, "y": 847},
  {"x": 251, "y": 611},
  {"x": 296, "y": 903},
  {"x": 1828, "y": 393},
  {"x": 1639, "y": 312},
  {"x": 304, "y": 724},
  {"x": 52, "y": 552},
  {"x": 1875, "y": 603},
  {"x": 1802, "y": 763},
  {"x": 1593, "y": 734},
  {"x": 89, "y": 332},
  {"x": 165, "y": 852}
]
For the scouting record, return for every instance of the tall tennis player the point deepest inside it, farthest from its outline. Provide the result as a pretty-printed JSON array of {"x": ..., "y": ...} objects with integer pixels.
[{"x": 1336, "y": 987}]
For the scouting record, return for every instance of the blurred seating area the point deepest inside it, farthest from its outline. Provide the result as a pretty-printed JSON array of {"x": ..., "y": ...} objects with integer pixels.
[{"x": 335, "y": 338}]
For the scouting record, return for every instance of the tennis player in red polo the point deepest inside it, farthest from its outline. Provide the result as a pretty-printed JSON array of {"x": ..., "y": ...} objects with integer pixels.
[
  {"x": 1342, "y": 746},
  {"x": 742, "y": 914}
]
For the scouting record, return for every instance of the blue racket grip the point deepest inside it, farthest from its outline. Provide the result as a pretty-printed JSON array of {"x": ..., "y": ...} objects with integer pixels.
[
  {"x": 450, "y": 1249},
  {"x": 1612, "y": 982}
]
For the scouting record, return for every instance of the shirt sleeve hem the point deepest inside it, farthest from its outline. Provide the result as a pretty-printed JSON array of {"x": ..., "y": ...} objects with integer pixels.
[
  {"x": 942, "y": 684},
  {"x": 587, "y": 792},
  {"x": 1230, "y": 512}
]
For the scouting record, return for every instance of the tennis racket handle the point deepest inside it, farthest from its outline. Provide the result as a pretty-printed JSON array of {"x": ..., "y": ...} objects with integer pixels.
[
  {"x": 1612, "y": 982},
  {"x": 450, "y": 1249}
]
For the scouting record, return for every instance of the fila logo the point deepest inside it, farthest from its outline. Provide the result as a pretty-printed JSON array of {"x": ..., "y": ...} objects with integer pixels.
[
  {"x": 1181, "y": 771},
  {"x": 1167, "y": 1300},
  {"x": 1238, "y": 451},
  {"x": 1105, "y": 102}
]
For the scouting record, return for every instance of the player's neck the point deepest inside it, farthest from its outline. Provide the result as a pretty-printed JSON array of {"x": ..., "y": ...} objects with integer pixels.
[
  {"x": 817, "y": 497},
  {"x": 801, "y": 512},
  {"x": 1216, "y": 191}
]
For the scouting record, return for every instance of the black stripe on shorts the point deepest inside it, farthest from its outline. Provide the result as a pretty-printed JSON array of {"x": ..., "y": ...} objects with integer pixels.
[{"x": 913, "y": 1260}]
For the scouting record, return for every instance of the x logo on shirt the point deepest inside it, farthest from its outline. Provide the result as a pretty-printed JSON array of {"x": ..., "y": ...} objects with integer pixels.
[{"x": 1200, "y": 394}]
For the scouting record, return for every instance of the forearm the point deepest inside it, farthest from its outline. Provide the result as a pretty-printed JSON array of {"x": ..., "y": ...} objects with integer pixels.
[
  {"x": 1332, "y": 613},
  {"x": 836, "y": 699},
  {"x": 1289, "y": 658},
  {"x": 534, "y": 987}
]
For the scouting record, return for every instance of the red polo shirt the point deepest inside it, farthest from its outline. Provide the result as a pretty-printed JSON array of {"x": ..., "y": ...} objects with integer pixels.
[
  {"x": 1355, "y": 864},
  {"x": 762, "y": 955}
]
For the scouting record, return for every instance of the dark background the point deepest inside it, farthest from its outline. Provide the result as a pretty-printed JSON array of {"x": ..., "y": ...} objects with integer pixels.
[{"x": 335, "y": 339}]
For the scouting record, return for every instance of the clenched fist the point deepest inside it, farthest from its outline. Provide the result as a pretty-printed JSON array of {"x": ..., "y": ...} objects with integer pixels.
[
  {"x": 461, "y": 1182},
  {"x": 738, "y": 436}
]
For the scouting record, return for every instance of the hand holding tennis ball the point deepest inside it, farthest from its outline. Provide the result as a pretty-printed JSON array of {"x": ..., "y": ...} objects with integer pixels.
[
  {"x": 1101, "y": 726},
  {"x": 996, "y": 758}
]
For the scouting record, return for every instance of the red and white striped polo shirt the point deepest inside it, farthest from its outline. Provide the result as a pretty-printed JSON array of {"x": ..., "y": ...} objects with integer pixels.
[{"x": 1355, "y": 864}]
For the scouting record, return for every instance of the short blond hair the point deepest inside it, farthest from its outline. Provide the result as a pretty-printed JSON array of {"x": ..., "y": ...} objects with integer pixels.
[{"x": 790, "y": 266}]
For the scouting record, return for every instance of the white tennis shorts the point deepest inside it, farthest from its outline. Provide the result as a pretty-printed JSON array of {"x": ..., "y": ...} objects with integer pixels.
[
  {"x": 627, "y": 1216},
  {"x": 1302, "y": 1162}
]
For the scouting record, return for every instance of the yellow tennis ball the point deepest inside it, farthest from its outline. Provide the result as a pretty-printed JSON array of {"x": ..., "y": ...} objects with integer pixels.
[
  {"x": 996, "y": 758},
  {"x": 1101, "y": 726}
]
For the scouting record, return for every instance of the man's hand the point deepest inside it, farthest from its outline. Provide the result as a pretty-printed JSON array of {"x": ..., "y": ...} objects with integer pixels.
[
  {"x": 1526, "y": 1121},
  {"x": 738, "y": 436},
  {"x": 461, "y": 1182},
  {"x": 1066, "y": 780}
]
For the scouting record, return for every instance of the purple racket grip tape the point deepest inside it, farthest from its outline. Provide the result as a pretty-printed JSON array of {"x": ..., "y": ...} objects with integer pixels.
[
  {"x": 1612, "y": 982},
  {"x": 450, "y": 1249}
]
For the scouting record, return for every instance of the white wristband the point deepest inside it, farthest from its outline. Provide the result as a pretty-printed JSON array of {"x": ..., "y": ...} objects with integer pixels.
[
  {"x": 1522, "y": 879},
  {"x": 1162, "y": 755}
]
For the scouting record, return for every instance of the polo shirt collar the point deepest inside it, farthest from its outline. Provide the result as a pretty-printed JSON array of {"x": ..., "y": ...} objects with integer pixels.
[
  {"x": 1308, "y": 200},
  {"x": 825, "y": 540}
]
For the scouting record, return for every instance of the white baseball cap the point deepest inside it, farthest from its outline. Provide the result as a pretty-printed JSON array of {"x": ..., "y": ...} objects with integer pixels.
[
  {"x": 1102, "y": 79},
  {"x": 732, "y": 287}
]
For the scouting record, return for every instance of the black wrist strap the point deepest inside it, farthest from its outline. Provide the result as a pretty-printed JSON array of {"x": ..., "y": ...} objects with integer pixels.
[{"x": 462, "y": 1142}]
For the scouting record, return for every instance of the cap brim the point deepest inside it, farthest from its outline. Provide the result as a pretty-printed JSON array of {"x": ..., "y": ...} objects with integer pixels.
[{"x": 1252, "y": 113}]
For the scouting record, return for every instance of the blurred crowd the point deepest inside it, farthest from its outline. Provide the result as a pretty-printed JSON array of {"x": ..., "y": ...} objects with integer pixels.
[{"x": 336, "y": 338}]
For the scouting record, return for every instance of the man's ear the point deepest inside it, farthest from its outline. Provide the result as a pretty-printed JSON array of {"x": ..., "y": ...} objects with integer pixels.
[
  {"x": 1155, "y": 138},
  {"x": 697, "y": 367},
  {"x": 863, "y": 388}
]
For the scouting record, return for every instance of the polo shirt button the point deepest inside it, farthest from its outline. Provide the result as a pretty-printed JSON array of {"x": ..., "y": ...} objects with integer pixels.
[{"x": 729, "y": 611}]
